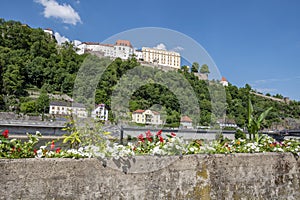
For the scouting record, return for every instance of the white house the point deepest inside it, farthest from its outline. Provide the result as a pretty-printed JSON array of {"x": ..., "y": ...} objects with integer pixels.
[
  {"x": 224, "y": 81},
  {"x": 227, "y": 123},
  {"x": 67, "y": 108},
  {"x": 186, "y": 122},
  {"x": 146, "y": 117},
  {"x": 100, "y": 112},
  {"x": 123, "y": 49}
]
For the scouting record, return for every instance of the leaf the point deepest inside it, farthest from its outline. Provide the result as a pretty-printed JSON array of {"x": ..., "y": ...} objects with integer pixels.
[{"x": 264, "y": 115}]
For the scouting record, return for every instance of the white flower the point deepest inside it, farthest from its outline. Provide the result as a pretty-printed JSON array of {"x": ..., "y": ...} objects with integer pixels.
[{"x": 39, "y": 153}]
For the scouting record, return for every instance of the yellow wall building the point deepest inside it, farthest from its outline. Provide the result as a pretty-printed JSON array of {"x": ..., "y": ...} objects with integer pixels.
[
  {"x": 161, "y": 57},
  {"x": 146, "y": 117}
]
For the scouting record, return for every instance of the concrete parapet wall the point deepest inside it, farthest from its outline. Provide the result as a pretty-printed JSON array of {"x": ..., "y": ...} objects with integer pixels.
[{"x": 237, "y": 176}]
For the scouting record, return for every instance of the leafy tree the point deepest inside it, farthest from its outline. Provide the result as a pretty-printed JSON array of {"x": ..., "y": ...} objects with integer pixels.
[
  {"x": 43, "y": 101},
  {"x": 13, "y": 81},
  {"x": 28, "y": 107},
  {"x": 204, "y": 69},
  {"x": 195, "y": 67}
]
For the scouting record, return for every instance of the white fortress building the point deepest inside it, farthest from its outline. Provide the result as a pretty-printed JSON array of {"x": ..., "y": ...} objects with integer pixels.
[{"x": 124, "y": 50}]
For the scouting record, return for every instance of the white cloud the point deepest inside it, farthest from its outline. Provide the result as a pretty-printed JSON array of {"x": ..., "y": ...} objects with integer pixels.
[
  {"x": 160, "y": 46},
  {"x": 177, "y": 49},
  {"x": 60, "y": 39},
  {"x": 64, "y": 12}
]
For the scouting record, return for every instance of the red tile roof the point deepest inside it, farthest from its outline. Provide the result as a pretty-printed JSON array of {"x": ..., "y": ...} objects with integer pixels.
[
  {"x": 139, "y": 111},
  {"x": 91, "y": 43},
  {"x": 223, "y": 79},
  {"x": 155, "y": 113},
  {"x": 186, "y": 119},
  {"x": 123, "y": 43}
]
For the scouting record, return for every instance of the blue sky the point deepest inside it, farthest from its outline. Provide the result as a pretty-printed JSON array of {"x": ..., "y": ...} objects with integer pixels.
[{"x": 255, "y": 42}]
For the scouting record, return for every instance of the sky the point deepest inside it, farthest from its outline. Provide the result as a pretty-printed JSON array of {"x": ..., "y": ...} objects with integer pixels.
[{"x": 250, "y": 41}]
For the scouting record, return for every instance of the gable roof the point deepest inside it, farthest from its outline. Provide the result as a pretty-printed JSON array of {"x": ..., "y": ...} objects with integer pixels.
[
  {"x": 139, "y": 111},
  {"x": 186, "y": 119}
]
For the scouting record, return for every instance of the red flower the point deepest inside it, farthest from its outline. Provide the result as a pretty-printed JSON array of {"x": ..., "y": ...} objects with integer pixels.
[
  {"x": 141, "y": 137},
  {"x": 149, "y": 136},
  {"x": 57, "y": 150},
  {"x": 5, "y": 133},
  {"x": 173, "y": 134},
  {"x": 52, "y": 146},
  {"x": 159, "y": 132},
  {"x": 161, "y": 139},
  {"x": 35, "y": 151}
]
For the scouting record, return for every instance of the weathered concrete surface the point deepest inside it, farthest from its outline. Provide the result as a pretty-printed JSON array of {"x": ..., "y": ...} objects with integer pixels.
[{"x": 238, "y": 176}]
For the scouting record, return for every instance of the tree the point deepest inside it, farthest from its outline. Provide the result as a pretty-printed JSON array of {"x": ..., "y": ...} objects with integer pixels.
[
  {"x": 195, "y": 67},
  {"x": 204, "y": 69},
  {"x": 43, "y": 101},
  {"x": 13, "y": 81}
]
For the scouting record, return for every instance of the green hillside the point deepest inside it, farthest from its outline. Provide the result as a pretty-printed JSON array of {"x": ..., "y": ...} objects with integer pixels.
[{"x": 32, "y": 60}]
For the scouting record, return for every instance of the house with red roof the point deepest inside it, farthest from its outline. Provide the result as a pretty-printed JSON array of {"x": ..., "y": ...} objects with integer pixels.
[
  {"x": 224, "y": 81},
  {"x": 186, "y": 122}
]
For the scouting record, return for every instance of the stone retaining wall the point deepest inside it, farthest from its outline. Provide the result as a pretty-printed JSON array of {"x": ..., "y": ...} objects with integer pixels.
[{"x": 237, "y": 176}]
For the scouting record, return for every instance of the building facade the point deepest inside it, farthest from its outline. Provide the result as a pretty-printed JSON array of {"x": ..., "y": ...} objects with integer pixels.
[
  {"x": 186, "y": 122},
  {"x": 161, "y": 57},
  {"x": 146, "y": 117},
  {"x": 66, "y": 108},
  {"x": 100, "y": 113},
  {"x": 122, "y": 49}
]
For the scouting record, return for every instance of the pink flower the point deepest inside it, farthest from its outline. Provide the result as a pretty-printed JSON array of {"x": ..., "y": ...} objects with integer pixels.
[
  {"x": 52, "y": 146},
  {"x": 173, "y": 134},
  {"x": 5, "y": 133}
]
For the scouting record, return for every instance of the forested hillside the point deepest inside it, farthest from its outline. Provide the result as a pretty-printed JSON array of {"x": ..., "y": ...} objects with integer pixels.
[{"x": 32, "y": 60}]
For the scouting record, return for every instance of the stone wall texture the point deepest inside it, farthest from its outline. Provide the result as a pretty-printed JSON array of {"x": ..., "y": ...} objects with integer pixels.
[{"x": 236, "y": 176}]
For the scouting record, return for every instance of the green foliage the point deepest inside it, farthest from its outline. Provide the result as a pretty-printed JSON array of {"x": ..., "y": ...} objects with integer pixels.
[
  {"x": 239, "y": 134},
  {"x": 15, "y": 148},
  {"x": 195, "y": 67},
  {"x": 30, "y": 58},
  {"x": 204, "y": 69},
  {"x": 254, "y": 123}
]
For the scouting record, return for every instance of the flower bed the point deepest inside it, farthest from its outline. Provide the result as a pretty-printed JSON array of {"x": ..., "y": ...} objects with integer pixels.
[{"x": 145, "y": 144}]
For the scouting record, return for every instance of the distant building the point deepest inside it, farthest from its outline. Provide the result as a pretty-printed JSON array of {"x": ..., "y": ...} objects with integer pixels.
[
  {"x": 67, "y": 108},
  {"x": 138, "y": 54},
  {"x": 161, "y": 57},
  {"x": 100, "y": 112},
  {"x": 227, "y": 123},
  {"x": 49, "y": 31},
  {"x": 186, "y": 122},
  {"x": 122, "y": 49},
  {"x": 224, "y": 81},
  {"x": 146, "y": 117}
]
